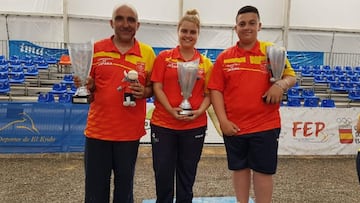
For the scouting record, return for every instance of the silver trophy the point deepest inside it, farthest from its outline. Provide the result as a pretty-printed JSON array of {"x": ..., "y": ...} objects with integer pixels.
[
  {"x": 187, "y": 73},
  {"x": 276, "y": 57},
  {"x": 81, "y": 56}
]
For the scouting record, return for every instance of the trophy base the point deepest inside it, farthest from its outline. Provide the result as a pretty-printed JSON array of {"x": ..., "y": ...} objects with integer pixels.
[
  {"x": 81, "y": 99},
  {"x": 186, "y": 112}
]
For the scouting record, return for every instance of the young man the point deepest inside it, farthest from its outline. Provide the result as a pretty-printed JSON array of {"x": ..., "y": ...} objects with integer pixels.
[
  {"x": 113, "y": 130},
  {"x": 247, "y": 106}
]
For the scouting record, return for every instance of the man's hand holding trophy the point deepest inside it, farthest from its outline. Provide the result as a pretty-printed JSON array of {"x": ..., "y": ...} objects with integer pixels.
[
  {"x": 81, "y": 56},
  {"x": 276, "y": 63}
]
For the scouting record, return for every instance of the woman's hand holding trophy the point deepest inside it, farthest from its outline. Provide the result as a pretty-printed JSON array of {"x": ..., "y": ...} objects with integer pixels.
[{"x": 187, "y": 73}]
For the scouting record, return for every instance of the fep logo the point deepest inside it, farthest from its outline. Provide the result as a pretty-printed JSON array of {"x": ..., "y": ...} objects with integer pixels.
[{"x": 309, "y": 131}]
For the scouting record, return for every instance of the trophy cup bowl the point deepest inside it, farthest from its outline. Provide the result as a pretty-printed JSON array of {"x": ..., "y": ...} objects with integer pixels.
[
  {"x": 276, "y": 62},
  {"x": 81, "y": 56},
  {"x": 187, "y": 73}
]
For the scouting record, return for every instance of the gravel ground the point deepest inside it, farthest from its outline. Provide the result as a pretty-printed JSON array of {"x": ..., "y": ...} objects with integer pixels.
[{"x": 60, "y": 178}]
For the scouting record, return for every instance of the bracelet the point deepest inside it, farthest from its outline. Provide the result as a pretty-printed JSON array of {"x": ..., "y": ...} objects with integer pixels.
[
  {"x": 278, "y": 84},
  {"x": 286, "y": 81}
]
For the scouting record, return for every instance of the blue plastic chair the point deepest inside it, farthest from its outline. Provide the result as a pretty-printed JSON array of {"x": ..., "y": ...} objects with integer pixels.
[
  {"x": 293, "y": 102},
  {"x": 58, "y": 88},
  {"x": 357, "y": 69},
  {"x": 14, "y": 59},
  {"x": 25, "y": 59},
  {"x": 297, "y": 68},
  {"x": 14, "y": 69},
  {"x": 46, "y": 98},
  {"x": 311, "y": 102},
  {"x": 327, "y": 103},
  {"x": 320, "y": 79},
  {"x": 29, "y": 64},
  {"x": 68, "y": 79},
  {"x": 337, "y": 68},
  {"x": 307, "y": 72},
  {"x": 326, "y": 68},
  {"x": 4, "y": 76},
  {"x": 65, "y": 98},
  {"x": 42, "y": 65},
  {"x": 17, "y": 78},
  {"x": 294, "y": 93},
  {"x": 32, "y": 71},
  {"x": 308, "y": 93},
  {"x": 354, "y": 95},
  {"x": 4, "y": 67},
  {"x": 4, "y": 87},
  {"x": 51, "y": 60},
  {"x": 72, "y": 89},
  {"x": 337, "y": 86},
  {"x": 348, "y": 69}
]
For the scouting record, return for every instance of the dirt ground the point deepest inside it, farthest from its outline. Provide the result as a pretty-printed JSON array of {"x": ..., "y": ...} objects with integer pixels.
[{"x": 60, "y": 178}]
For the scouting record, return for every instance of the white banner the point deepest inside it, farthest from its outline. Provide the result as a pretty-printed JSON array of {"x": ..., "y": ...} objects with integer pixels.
[{"x": 305, "y": 131}]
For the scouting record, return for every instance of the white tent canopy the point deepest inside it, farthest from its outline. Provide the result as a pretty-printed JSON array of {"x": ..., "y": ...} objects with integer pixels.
[{"x": 300, "y": 25}]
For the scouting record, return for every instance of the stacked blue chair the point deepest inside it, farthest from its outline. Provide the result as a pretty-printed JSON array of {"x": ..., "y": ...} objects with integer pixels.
[
  {"x": 348, "y": 69},
  {"x": 293, "y": 102},
  {"x": 294, "y": 93},
  {"x": 337, "y": 68},
  {"x": 331, "y": 79},
  {"x": 4, "y": 67},
  {"x": 51, "y": 60},
  {"x": 14, "y": 59},
  {"x": 308, "y": 93},
  {"x": 326, "y": 68},
  {"x": 58, "y": 88},
  {"x": 311, "y": 102},
  {"x": 354, "y": 95},
  {"x": 42, "y": 65},
  {"x": 349, "y": 86},
  {"x": 15, "y": 69},
  {"x": 327, "y": 103},
  {"x": 28, "y": 64},
  {"x": 328, "y": 73},
  {"x": 4, "y": 76},
  {"x": 15, "y": 66},
  {"x": 317, "y": 72},
  {"x": 320, "y": 79},
  {"x": 355, "y": 80},
  {"x": 25, "y": 59},
  {"x": 337, "y": 86},
  {"x": 72, "y": 89},
  {"x": 40, "y": 62},
  {"x": 46, "y": 97},
  {"x": 65, "y": 98},
  {"x": 32, "y": 71},
  {"x": 4, "y": 87},
  {"x": 357, "y": 69},
  {"x": 17, "y": 78},
  {"x": 68, "y": 79},
  {"x": 307, "y": 72}
]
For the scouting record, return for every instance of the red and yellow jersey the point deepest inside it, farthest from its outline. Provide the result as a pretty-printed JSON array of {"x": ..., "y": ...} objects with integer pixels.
[
  {"x": 108, "y": 119},
  {"x": 242, "y": 77},
  {"x": 165, "y": 72}
]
